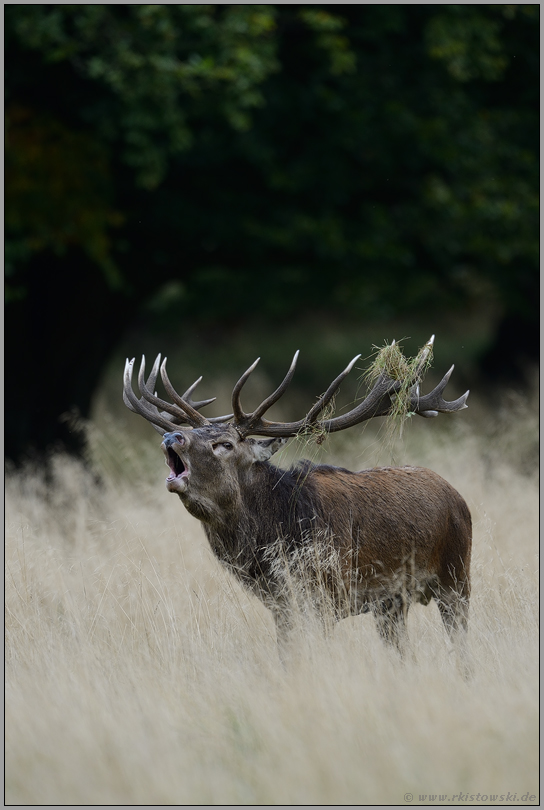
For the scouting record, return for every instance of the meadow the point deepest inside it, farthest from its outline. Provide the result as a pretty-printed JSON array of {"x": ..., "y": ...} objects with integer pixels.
[{"x": 139, "y": 672}]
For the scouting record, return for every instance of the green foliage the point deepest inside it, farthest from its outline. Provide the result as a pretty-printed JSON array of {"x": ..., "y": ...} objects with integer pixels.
[
  {"x": 468, "y": 43},
  {"x": 337, "y": 46},
  {"x": 220, "y": 162},
  {"x": 385, "y": 156},
  {"x": 59, "y": 186},
  {"x": 156, "y": 62}
]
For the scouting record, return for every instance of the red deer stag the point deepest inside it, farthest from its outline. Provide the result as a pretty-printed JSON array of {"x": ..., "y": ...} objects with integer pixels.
[{"x": 396, "y": 535}]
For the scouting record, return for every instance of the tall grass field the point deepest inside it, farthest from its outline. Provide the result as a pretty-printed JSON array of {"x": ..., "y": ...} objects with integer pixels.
[{"x": 139, "y": 672}]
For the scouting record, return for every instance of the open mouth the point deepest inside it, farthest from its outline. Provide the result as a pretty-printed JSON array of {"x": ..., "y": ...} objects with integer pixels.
[{"x": 178, "y": 469}]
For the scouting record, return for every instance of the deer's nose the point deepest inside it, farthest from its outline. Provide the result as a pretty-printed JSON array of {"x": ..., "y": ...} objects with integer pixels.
[{"x": 173, "y": 438}]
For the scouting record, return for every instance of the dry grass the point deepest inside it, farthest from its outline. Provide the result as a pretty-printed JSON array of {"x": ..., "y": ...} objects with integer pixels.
[
  {"x": 138, "y": 672},
  {"x": 389, "y": 360}
]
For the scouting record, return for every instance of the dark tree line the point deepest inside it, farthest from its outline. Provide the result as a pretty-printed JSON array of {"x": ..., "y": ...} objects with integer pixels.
[{"x": 366, "y": 160}]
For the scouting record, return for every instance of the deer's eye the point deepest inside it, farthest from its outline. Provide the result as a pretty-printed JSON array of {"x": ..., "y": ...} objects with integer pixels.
[{"x": 221, "y": 447}]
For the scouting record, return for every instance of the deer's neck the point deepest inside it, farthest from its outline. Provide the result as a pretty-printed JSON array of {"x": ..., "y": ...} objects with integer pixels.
[{"x": 274, "y": 505}]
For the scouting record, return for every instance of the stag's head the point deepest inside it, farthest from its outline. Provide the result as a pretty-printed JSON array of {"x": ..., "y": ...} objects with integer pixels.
[
  {"x": 209, "y": 465},
  {"x": 209, "y": 457}
]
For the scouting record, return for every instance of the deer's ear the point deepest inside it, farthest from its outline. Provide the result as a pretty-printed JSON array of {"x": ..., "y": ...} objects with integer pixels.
[{"x": 263, "y": 449}]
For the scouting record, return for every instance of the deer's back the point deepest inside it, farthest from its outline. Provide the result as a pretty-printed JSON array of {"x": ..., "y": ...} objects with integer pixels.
[{"x": 395, "y": 517}]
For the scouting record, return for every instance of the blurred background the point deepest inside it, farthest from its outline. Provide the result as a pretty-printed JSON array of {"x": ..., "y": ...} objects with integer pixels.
[{"x": 219, "y": 182}]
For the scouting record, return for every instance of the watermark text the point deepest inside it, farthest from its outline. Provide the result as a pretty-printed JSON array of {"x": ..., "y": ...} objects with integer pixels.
[{"x": 470, "y": 797}]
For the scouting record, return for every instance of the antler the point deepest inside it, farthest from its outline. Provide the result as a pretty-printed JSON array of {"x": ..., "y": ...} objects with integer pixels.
[
  {"x": 184, "y": 411},
  {"x": 378, "y": 402},
  {"x": 254, "y": 424}
]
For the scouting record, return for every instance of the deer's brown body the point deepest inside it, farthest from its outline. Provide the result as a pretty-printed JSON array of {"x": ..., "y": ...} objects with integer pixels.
[{"x": 375, "y": 540}]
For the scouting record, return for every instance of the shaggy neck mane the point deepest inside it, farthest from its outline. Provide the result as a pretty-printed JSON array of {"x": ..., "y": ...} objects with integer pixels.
[{"x": 276, "y": 504}]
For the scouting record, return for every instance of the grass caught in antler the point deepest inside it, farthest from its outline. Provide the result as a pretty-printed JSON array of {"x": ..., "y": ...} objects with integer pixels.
[
  {"x": 316, "y": 433},
  {"x": 391, "y": 361}
]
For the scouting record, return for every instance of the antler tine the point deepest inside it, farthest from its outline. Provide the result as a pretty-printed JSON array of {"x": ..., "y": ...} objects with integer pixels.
[
  {"x": 152, "y": 379},
  {"x": 432, "y": 404},
  {"x": 239, "y": 415},
  {"x": 192, "y": 416},
  {"x": 426, "y": 351},
  {"x": 127, "y": 384},
  {"x": 325, "y": 398},
  {"x": 188, "y": 401},
  {"x": 140, "y": 406},
  {"x": 186, "y": 397},
  {"x": 280, "y": 390},
  {"x": 180, "y": 416}
]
